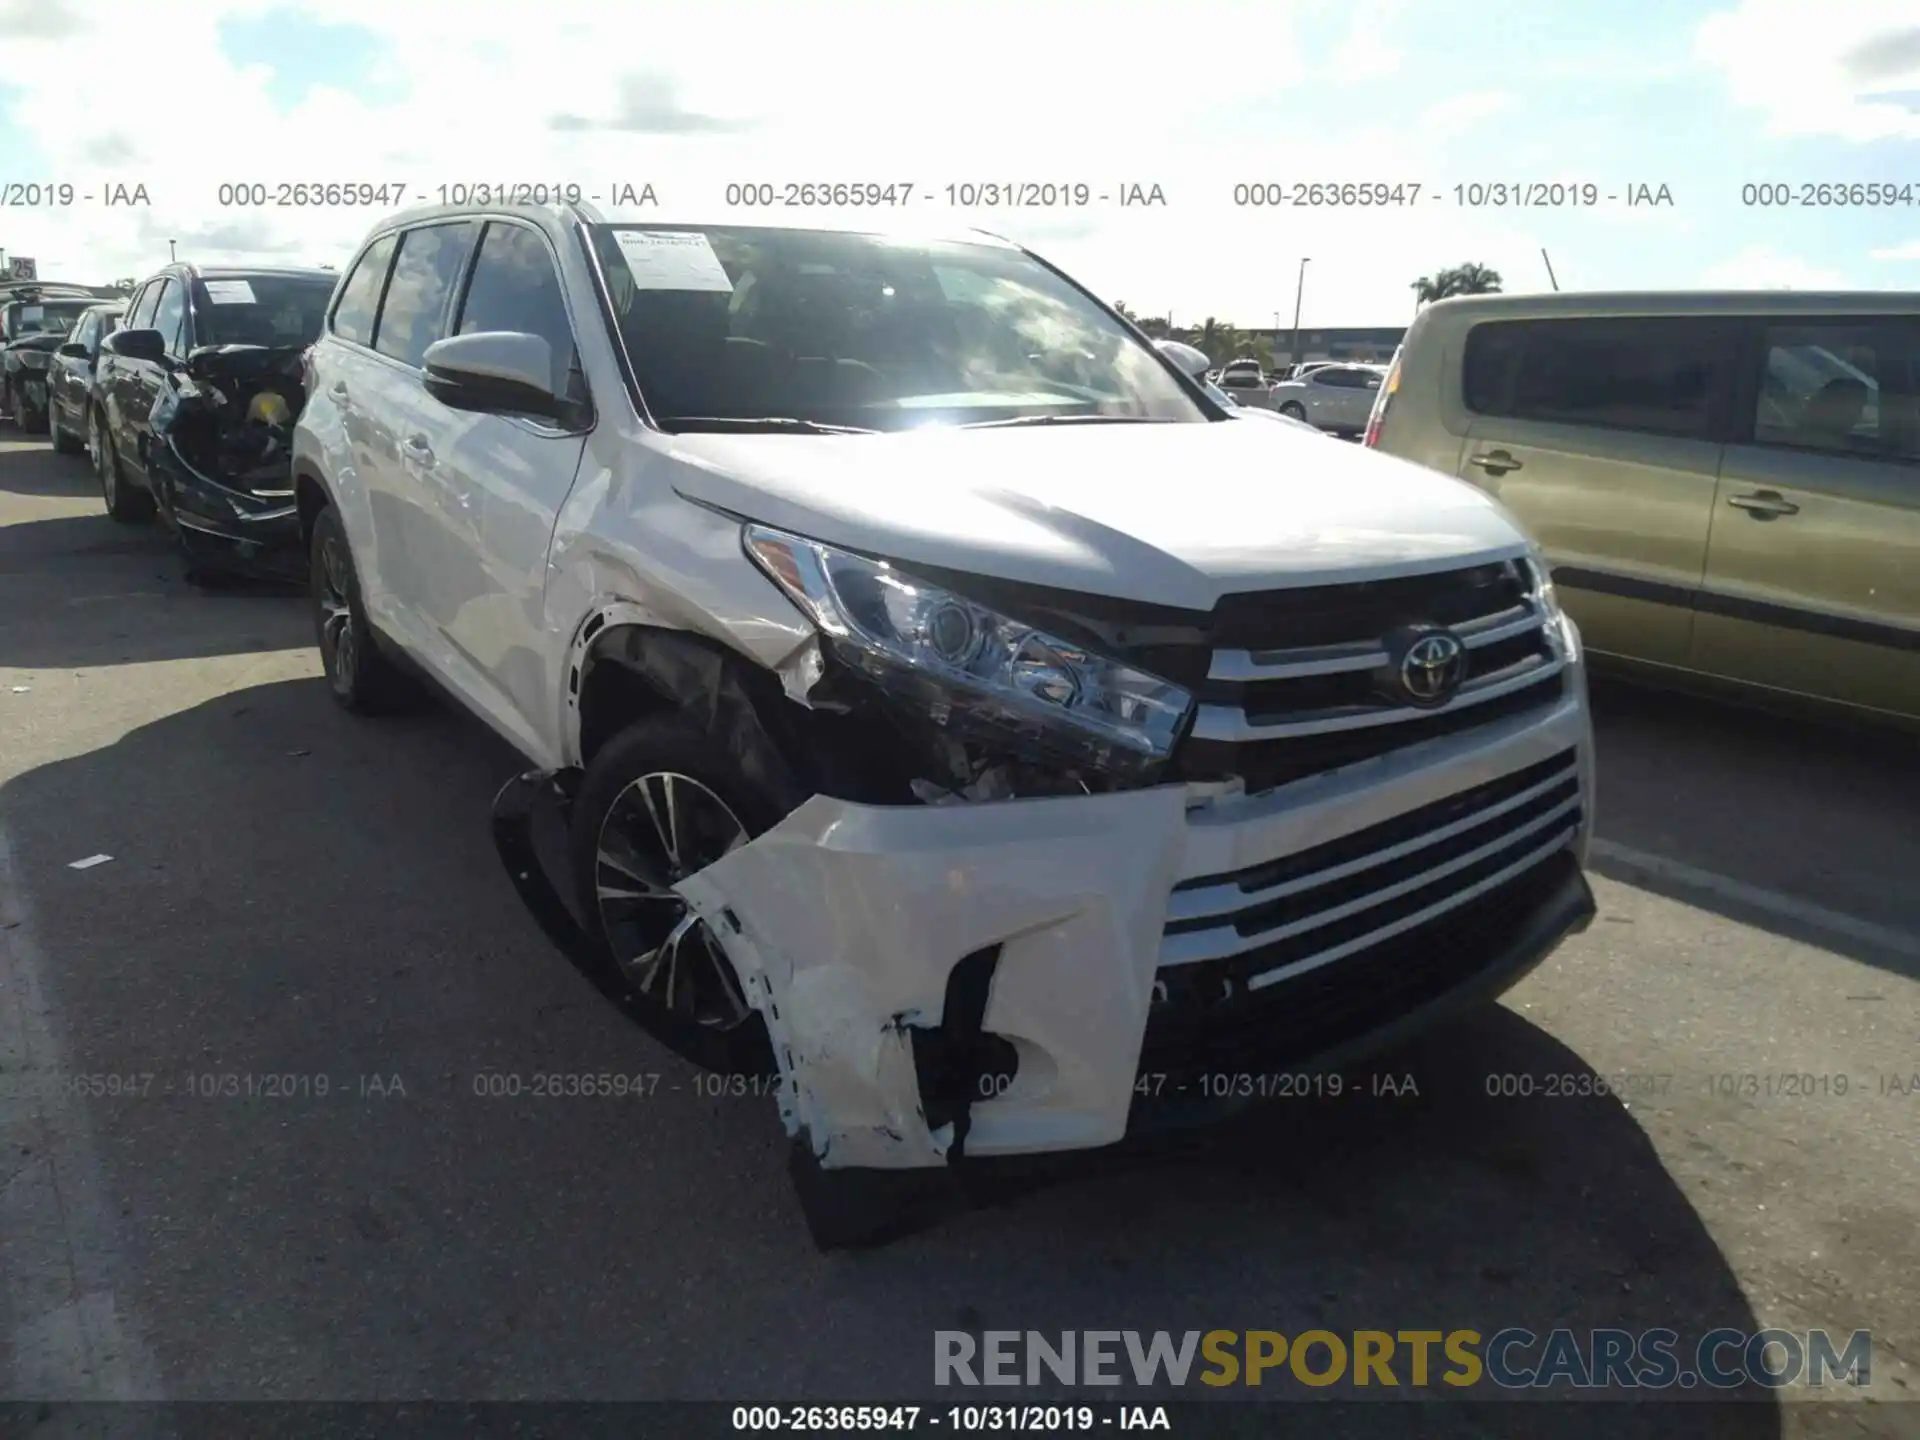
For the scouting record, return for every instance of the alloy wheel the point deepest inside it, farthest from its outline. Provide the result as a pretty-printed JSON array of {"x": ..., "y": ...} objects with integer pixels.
[
  {"x": 659, "y": 830},
  {"x": 339, "y": 647}
]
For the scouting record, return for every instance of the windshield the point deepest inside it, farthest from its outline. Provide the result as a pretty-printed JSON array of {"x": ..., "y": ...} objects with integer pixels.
[
  {"x": 279, "y": 310},
  {"x": 820, "y": 328},
  {"x": 51, "y": 317}
]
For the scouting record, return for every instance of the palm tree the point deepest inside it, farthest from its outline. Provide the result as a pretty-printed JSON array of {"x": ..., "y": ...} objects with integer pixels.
[
  {"x": 1467, "y": 279},
  {"x": 1219, "y": 339}
]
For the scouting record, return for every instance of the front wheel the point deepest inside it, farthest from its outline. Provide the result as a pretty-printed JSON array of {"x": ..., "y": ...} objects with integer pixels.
[
  {"x": 659, "y": 802},
  {"x": 65, "y": 442},
  {"x": 1293, "y": 411}
]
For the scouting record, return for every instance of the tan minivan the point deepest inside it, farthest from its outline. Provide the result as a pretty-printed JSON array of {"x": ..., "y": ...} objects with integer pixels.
[{"x": 1727, "y": 485}]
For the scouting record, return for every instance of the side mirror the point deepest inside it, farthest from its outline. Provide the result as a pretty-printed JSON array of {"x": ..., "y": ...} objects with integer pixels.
[
  {"x": 1193, "y": 361},
  {"x": 495, "y": 372},
  {"x": 73, "y": 350},
  {"x": 137, "y": 344}
]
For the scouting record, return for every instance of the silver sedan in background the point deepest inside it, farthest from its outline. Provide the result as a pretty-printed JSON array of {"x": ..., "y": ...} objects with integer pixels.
[{"x": 1334, "y": 397}]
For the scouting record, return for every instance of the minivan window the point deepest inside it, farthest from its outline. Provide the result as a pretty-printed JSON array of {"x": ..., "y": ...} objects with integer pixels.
[
  {"x": 514, "y": 287},
  {"x": 1840, "y": 386},
  {"x": 359, "y": 303},
  {"x": 747, "y": 324},
  {"x": 424, "y": 274},
  {"x": 171, "y": 316},
  {"x": 281, "y": 311},
  {"x": 1659, "y": 374}
]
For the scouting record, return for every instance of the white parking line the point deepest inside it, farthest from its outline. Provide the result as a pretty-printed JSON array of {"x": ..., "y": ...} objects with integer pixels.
[
  {"x": 71, "y": 1339},
  {"x": 1772, "y": 902}
]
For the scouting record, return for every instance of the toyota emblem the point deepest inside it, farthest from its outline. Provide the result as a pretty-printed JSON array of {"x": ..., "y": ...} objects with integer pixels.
[{"x": 1431, "y": 667}]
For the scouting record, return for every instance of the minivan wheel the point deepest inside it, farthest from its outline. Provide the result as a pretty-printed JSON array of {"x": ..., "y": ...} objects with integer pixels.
[
  {"x": 659, "y": 802},
  {"x": 124, "y": 503},
  {"x": 1293, "y": 410},
  {"x": 359, "y": 677}
]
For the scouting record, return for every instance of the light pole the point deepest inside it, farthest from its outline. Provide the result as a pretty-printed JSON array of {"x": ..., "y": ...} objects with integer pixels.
[
  {"x": 1299, "y": 289},
  {"x": 171, "y": 257}
]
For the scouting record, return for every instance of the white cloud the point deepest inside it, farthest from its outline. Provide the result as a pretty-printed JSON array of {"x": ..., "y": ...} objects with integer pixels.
[
  {"x": 1369, "y": 51},
  {"x": 703, "y": 95},
  {"x": 1908, "y": 251},
  {"x": 1850, "y": 70},
  {"x": 1459, "y": 114},
  {"x": 1761, "y": 267}
]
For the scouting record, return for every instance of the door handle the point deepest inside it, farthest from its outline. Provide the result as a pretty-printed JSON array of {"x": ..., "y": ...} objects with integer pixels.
[
  {"x": 418, "y": 450},
  {"x": 338, "y": 392},
  {"x": 1764, "y": 504},
  {"x": 1494, "y": 462}
]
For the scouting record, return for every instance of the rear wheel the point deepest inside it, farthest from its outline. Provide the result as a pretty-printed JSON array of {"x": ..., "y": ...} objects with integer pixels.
[
  {"x": 659, "y": 802},
  {"x": 124, "y": 503},
  {"x": 359, "y": 677}
]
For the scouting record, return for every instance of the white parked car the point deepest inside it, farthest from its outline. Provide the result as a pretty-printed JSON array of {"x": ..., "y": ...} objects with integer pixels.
[
  {"x": 1333, "y": 397},
  {"x": 974, "y": 733},
  {"x": 1194, "y": 362}
]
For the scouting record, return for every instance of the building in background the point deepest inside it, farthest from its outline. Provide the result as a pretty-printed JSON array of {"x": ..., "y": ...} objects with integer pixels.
[{"x": 1359, "y": 343}]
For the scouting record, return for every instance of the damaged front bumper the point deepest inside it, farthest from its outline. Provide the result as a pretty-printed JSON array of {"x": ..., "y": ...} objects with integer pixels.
[
  {"x": 233, "y": 528},
  {"x": 1023, "y": 976}
]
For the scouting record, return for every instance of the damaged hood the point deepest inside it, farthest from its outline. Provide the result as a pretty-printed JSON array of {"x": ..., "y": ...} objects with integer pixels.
[{"x": 1173, "y": 514}]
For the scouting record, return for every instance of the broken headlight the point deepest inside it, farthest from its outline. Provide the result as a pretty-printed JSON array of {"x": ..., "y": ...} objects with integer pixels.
[{"x": 967, "y": 664}]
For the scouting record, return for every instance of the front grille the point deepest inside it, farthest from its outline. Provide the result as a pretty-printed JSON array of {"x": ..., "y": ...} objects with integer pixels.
[
  {"x": 1306, "y": 910},
  {"x": 1301, "y": 681},
  {"x": 1195, "y": 1031}
]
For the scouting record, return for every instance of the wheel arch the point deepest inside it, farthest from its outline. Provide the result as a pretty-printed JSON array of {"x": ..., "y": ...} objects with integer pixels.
[{"x": 624, "y": 666}]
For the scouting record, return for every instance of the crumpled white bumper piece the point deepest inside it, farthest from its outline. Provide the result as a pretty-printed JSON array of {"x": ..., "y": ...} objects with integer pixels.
[{"x": 851, "y": 918}]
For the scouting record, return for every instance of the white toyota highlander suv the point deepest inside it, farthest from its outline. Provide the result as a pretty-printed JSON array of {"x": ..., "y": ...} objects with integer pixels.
[{"x": 955, "y": 719}]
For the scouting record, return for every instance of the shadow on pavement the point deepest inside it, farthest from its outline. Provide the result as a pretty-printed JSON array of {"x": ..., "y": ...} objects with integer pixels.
[
  {"x": 298, "y": 894},
  {"x": 28, "y": 466},
  {"x": 79, "y": 591},
  {"x": 1818, "y": 813}
]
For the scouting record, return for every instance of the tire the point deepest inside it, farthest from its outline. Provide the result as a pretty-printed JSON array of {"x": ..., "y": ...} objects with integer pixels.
[
  {"x": 360, "y": 677},
  {"x": 124, "y": 503},
  {"x": 656, "y": 777},
  {"x": 1293, "y": 410},
  {"x": 64, "y": 441}
]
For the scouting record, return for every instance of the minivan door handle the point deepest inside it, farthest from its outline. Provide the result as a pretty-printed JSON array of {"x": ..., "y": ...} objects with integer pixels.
[
  {"x": 1764, "y": 504},
  {"x": 418, "y": 450},
  {"x": 1495, "y": 462}
]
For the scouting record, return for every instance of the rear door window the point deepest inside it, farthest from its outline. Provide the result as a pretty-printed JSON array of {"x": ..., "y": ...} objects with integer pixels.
[{"x": 425, "y": 273}]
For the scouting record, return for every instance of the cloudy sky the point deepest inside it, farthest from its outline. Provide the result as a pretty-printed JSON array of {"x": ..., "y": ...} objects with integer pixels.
[{"x": 1701, "y": 97}]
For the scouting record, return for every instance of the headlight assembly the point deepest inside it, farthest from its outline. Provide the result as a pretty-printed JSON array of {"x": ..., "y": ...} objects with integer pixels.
[{"x": 963, "y": 662}]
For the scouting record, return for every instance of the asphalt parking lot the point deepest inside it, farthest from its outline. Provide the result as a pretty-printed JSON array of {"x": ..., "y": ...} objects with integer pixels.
[{"x": 295, "y": 893}]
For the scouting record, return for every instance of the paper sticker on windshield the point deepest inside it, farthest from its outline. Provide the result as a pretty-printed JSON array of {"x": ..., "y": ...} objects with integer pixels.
[
  {"x": 672, "y": 260},
  {"x": 229, "y": 292}
]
